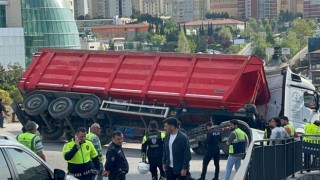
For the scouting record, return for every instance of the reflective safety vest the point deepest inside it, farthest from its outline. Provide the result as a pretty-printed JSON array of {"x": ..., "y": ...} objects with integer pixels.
[
  {"x": 29, "y": 140},
  {"x": 90, "y": 137},
  {"x": 292, "y": 130},
  {"x": 238, "y": 146},
  {"x": 83, "y": 155},
  {"x": 312, "y": 129}
]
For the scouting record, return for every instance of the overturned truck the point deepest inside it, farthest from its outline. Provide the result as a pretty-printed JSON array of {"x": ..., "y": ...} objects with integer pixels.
[{"x": 66, "y": 89}]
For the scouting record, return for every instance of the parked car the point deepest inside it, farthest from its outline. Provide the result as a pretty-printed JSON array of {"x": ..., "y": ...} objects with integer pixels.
[{"x": 18, "y": 162}]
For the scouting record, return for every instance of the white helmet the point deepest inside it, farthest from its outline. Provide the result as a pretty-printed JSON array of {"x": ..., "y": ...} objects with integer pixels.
[{"x": 143, "y": 167}]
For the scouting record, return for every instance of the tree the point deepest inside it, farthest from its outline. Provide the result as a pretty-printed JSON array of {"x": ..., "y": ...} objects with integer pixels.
[
  {"x": 290, "y": 40},
  {"x": 183, "y": 45},
  {"x": 14, "y": 73},
  {"x": 111, "y": 45},
  {"x": 157, "y": 39},
  {"x": 303, "y": 29},
  {"x": 259, "y": 45},
  {"x": 184, "y": 29},
  {"x": 253, "y": 24},
  {"x": 170, "y": 24},
  {"x": 162, "y": 30},
  {"x": 192, "y": 45}
]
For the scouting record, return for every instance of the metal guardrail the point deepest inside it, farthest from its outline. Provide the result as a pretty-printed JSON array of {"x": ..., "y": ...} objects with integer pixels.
[{"x": 266, "y": 161}]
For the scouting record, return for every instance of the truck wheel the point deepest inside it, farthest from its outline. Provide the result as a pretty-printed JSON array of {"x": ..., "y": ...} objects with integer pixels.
[
  {"x": 61, "y": 108},
  {"x": 51, "y": 134},
  {"x": 201, "y": 149},
  {"x": 87, "y": 107},
  {"x": 35, "y": 104}
]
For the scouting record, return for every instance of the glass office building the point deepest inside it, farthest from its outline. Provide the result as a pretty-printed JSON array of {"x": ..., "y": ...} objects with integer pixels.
[{"x": 48, "y": 23}]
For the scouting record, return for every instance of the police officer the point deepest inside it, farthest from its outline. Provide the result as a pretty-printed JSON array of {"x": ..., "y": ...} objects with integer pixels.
[
  {"x": 93, "y": 136},
  {"x": 79, "y": 153},
  {"x": 152, "y": 146},
  {"x": 213, "y": 151},
  {"x": 31, "y": 140},
  {"x": 309, "y": 142},
  {"x": 116, "y": 166}
]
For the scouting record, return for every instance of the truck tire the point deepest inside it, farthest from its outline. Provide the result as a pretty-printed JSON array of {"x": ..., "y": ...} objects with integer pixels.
[
  {"x": 61, "y": 108},
  {"x": 87, "y": 107},
  {"x": 201, "y": 149},
  {"x": 51, "y": 134},
  {"x": 35, "y": 104}
]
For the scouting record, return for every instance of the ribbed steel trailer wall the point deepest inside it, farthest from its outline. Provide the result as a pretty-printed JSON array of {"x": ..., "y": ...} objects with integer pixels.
[{"x": 182, "y": 80}]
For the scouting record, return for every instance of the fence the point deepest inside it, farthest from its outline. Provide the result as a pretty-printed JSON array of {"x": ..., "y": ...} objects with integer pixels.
[{"x": 266, "y": 161}]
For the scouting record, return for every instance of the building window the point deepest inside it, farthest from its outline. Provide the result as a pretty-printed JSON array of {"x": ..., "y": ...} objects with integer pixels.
[{"x": 3, "y": 16}]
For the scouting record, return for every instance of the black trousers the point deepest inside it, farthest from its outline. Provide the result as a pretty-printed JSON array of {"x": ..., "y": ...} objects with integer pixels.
[
  {"x": 171, "y": 176},
  {"x": 156, "y": 163},
  {"x": 212, "y": 154},
  {"x": 121, "y": 176}
]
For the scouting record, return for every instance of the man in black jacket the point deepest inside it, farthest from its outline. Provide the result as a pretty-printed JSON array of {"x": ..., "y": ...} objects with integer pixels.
[
  {"x": 152, "y": 147},
  {"x": 176, "y": 154},
  {"x": 116, "y": 166},
  {"x": 213, "y": 141}
]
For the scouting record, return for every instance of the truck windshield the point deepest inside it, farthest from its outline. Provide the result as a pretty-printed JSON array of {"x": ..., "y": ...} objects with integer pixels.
[{"x": 310, "y": 100}]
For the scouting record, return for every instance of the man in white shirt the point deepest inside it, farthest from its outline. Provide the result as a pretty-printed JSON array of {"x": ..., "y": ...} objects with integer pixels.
[{"x": 176, "y": 154}]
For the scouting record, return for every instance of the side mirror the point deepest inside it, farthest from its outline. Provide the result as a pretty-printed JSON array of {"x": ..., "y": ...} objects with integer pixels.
[{"x": 59, "y": 174}]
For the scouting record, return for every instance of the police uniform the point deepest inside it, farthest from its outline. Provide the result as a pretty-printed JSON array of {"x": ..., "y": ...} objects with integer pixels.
[
  {"x": 31, "y": 141},
  {"x": 97, "y": 145},
  {"x": 309, "y": 144},
  {"x": 79, "y": 160},
  {"x": 116, "y": 163},
  {"x": 152, "y": 145},
  {"x": 213, "y": 152}
]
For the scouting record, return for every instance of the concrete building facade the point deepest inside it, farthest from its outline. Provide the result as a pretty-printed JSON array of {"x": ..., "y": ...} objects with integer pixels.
[
  {"x": 180, "y": 10},
  {"x": 80, "y": 8},
  {"x": 122, "y": 8},
  {"x": 153, "y": 7},
  {"x": 311, "y": 9},
  {"x": 221, "y": 6},
  {"x": 200, "y": 8}
]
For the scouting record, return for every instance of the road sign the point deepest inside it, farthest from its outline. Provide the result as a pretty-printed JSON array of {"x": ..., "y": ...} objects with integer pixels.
[
  {"x": 285, "y": 50},
  {"x": 238, "y": 41},
  {"x": 269, "y": 51}
]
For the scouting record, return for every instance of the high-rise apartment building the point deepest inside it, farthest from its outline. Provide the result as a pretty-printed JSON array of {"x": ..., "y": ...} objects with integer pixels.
[
  {"x": 311, "y": 9},
  {"x": 96, "y": 8},
  {"x": 200, "y": 8},
  {"x": 122, "y": 8},
  {"x": 268, "y": 8},
  {"x": 180, "y": 10},
  {"x": 153, "y": 7},
  {"x": 222, "y": 6},
  {"x": 136, "y": 6},
  {"x": 80, "y": 8}
]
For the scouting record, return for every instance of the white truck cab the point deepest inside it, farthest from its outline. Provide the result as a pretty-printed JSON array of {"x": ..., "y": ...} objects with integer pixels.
[{"x": 291, "y": 95}]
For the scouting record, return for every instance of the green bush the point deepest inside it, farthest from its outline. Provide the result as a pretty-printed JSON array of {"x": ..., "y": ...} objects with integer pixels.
[
  {"x": 16, "y": 95},
  {"x": 5, "y": 96}
]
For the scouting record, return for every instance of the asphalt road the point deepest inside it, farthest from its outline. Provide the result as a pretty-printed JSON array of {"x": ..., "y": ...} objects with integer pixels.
[{"x": 131, "y": 150}]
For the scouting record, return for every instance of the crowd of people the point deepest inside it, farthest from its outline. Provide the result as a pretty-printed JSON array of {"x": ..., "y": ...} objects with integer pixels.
[{"x": 167, "y": 152}]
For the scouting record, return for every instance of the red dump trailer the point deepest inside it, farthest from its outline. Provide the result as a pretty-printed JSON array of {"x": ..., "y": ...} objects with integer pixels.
[{"x": 65, "y": 89}]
